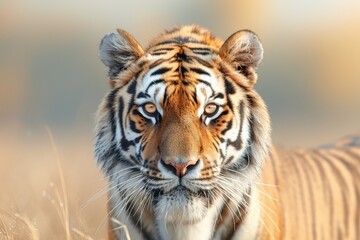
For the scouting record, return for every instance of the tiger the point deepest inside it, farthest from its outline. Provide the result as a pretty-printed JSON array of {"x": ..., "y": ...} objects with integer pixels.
[{"x": 184, "y": 141}]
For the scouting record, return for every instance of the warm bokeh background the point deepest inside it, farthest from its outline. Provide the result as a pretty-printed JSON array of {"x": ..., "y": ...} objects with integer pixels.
[{"x": 51, "y": 78}]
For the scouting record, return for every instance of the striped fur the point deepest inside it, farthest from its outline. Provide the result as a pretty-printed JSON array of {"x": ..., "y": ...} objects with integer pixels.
[{"x": 185, "y": 142}]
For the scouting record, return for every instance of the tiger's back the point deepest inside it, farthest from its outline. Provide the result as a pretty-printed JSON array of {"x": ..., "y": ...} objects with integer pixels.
[{"x": 313, "y": 193}]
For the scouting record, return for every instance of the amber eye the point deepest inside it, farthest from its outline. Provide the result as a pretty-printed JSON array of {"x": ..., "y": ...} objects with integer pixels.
[
  {"x": 149, "y": 108},
  {"x": 211, "y": 109}
]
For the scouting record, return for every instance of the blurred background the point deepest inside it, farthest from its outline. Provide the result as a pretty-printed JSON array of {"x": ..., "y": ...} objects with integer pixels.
[{"x": 51, "y": 82}]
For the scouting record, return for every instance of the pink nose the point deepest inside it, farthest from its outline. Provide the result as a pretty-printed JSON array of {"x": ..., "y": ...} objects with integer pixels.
[{"x": 180, "y": 168}]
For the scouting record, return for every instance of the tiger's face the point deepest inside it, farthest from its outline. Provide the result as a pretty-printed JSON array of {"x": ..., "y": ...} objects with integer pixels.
[{"x": 176, "y": 133}]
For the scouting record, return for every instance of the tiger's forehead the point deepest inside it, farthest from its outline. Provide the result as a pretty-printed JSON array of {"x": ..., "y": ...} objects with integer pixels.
[
  {"x": 181, "y": 64},
  {"x": 188, "y": 49}
]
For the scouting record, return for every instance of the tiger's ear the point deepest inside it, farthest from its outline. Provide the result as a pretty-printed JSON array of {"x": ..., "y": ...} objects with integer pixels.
[
  {"x": 244, "y": 52},
  {"x": 118, "y": 50}
]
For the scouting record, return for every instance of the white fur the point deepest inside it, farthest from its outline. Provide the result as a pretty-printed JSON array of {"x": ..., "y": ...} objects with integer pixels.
[{"x": 200, "y": 230}]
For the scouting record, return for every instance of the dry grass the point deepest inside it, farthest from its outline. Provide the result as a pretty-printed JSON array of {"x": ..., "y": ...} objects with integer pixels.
[{"x": 45, "y": 183}]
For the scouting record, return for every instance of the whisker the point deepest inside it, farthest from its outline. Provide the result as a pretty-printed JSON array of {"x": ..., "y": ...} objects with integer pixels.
[{"x": 226, "y": 182}]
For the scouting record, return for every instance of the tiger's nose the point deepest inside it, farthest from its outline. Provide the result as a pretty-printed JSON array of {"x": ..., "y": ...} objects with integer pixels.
[{"x": 179, "y": 168}]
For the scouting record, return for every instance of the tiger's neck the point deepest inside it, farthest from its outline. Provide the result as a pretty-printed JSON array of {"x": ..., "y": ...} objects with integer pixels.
[
  {"x": 224, "y": 220},
  {"x": 233, "y": 221},
  {"x": 201, "y": 230}
]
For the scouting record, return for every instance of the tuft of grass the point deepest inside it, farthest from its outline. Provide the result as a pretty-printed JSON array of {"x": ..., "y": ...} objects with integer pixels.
[
  {"x": 3, "y": 229},
  {"x": 25, "y": 224},
  {"x": 62, "y": 198},
  {"x": 34, "y": 232}
]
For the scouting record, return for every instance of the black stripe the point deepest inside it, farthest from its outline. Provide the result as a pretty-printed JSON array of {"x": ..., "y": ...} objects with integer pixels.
[
  {"x": 300, "y": 180},
  {"x": 181, "y": 56},
  {"x": 229, "y": 89},
  {"x": 242, "y": 161},
  {"x": 160, "y": 71},
  {"x": 228, "y": 127},
  {"x": 125, "y": 144},
  {"x": 133, "y": 126},
  {"x": 199, "y": 71},
  {"x": 178, "y": 40},
  {"x": 251, "y": 100},
  {"x": 194, "y": 97},
  {"x": 351, "y": 166},
  {"x": 310, "y": 176},
  {"x": 357, "y": 190},
  {"x": 342, "y": 182},
  {"x": 326, "y": 187},
  {"x": 353, "y": 169},
  {"x": 218, "y": 95},
  {"x": 158, "y": 53},
  {"x": 143, "y": 95},
  {"x": 114, "y": 157},
  {"x": 132, "y": 87},
  {"x": 183, "y": 70},
  {"x": 213, "y": 121},
  {"x": 165, "y": 96},
  {"x": 200, "y": 49},
  {"x": 229, "y": 160},
  {"x": 154, "y": 83},
  {"x": 110, "y": 106},
  {"x": 162, "y": 49},
  {"x": 238, "y": 142},
  {"x": 215, "y": 146},
  {"x": 202, "y": 52},
  {"x": 203, "y": 62},
  {"x": 131, "y": 90},
  {"x": 185, "y": 83}
]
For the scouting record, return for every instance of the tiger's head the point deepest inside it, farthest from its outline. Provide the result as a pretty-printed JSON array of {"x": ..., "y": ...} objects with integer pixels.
[{"x": 182, "y": 128}]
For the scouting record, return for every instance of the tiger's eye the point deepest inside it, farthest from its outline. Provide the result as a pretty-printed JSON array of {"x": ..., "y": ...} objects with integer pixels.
[
  {"x": 211, "y": 109},
  {"x": 149, "y": 108}
]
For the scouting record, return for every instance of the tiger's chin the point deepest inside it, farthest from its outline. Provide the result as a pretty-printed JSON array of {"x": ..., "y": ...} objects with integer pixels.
[{"x": 181, "y": 206}]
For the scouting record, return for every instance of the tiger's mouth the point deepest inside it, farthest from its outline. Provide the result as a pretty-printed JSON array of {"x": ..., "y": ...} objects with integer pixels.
[
  {"x": 182, "y": 190},
  {"x": 196, "y": 191}
]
